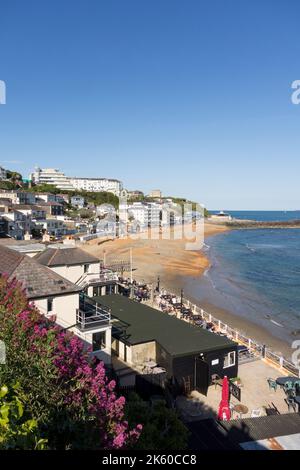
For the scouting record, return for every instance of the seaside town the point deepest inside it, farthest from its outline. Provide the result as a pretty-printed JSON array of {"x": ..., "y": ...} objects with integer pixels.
[
  {"x": 149, "y": 233},
  {"x": 62, "y": 243}
]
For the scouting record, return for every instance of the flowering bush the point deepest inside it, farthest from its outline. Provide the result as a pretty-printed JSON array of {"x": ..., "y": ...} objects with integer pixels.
[{"x": 69, "y": 395}]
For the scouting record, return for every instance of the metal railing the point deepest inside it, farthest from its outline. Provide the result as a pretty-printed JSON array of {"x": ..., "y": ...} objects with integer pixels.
[
  {"x": 93, "y": 316},
  {"x": 92, "y": 278},
  {"x": 259, "y": 350}
]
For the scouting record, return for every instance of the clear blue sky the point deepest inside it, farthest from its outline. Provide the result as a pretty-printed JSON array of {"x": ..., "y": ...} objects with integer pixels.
[{"x": 192, "y": 97}]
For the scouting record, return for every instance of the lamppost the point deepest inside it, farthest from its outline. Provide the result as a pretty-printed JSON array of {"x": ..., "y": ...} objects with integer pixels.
[
  {"x": 181, "y": 300},
  {"x": 158, "y": 284}
]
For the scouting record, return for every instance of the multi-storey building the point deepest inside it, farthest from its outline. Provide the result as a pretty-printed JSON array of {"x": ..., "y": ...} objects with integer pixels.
[
  {"x": 3, "y": 174},
  {"x": 51, "y": 176},
  {"x": 52, "y": 208},
  {"x": 53, "y": 227},
  {"x": 145, "y": 214},
  {"x": 46, "y": 197},
  {"x": 18, "y": 197},
  {"x": 97, "y": 185},
  {"x": 57, "y": 178}
]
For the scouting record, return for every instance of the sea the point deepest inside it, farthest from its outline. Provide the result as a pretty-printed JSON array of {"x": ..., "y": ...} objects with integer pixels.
[{"x": 255, "y": 273}]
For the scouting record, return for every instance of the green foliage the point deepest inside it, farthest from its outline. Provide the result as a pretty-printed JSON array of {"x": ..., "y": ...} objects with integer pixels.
[
  {"x": 85, "y": 213},
  {"x": 162, "y": 428},
  {"x": 44, "y": 188},
  {"x": 13, "y": 176},
  {"x": 96, "y": 198},
  {"x": 66, "y": 392},
  {"x": 99, "y": 198},
  {"x": 7, "y": 185},
  {"x": 18, "y": 430}
]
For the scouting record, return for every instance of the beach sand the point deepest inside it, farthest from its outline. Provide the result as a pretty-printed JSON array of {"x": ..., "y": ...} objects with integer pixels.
[
  {"x": 169, "y": 260},
  {"x": 155, "y": 257}
]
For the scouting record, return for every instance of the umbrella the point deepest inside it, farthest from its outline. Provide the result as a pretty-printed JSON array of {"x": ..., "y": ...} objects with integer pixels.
[{"x": 224, "y": 410}]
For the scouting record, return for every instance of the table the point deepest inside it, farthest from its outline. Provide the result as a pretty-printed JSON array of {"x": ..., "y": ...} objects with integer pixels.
[
  {"x": 150, "y": 364},
  {"x": 282, "y": 380},
  {"x": 241, "y": 409}
]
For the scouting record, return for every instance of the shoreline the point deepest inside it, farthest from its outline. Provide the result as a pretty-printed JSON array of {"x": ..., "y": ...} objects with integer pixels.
[{"x": 168, "y": 260}]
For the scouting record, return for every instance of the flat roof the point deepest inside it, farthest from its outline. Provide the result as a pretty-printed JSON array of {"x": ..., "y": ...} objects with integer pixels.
[
  {"x": 257, "y": 430},
  {"x": 144, "y": 324}
]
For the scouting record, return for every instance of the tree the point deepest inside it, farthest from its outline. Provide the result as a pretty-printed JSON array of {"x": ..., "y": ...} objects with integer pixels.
[
  {"x": 70, "y": 396},
  {"x": 162, "y": 429},
  {"x": 14, "y": 176}
]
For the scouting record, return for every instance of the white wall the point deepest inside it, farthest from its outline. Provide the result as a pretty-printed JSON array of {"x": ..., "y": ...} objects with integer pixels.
[
  {"x": 103, "y": 354},
  {"x": 64, "y": 307},
  {"x": 73, "y": 273}
]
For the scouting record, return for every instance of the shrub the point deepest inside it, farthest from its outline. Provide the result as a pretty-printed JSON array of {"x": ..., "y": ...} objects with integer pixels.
[{"x": 69, "y": 395}]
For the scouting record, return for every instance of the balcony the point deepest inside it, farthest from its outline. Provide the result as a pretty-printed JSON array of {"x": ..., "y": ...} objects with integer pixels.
[
  {"x": 89, "y": 279},
  {"x": 91, "y": 315}
]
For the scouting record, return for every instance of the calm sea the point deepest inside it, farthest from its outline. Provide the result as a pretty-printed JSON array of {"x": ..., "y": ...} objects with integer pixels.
[{"x": 256, "y": 274}]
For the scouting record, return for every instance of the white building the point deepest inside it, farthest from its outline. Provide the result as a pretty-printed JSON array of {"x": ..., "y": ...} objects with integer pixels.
[
  {"x": 58, "y": 298},
  {"x": 51, "y": 176},
  {"x": 78, "y": 201},
  {"x": 54, "y": 227},
  {"x": 155, "y": 193},
  {"x": 3, "y": 174},
  {"x": 60, "y": 180},
  {"x": 97, "y": 185},
  {"x": 146, "y": 214},
  {"x": 18, "y": 197}
]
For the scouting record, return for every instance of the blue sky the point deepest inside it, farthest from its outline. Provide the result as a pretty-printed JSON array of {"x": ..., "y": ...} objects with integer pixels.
[{"x": 192, "y": 97}]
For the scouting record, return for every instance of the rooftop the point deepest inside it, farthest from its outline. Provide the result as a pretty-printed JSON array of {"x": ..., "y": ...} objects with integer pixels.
[
  {"x": 145, "y": 324},
  {"x": 37, "y": 280},
  {"x": 64, "y": 256}
]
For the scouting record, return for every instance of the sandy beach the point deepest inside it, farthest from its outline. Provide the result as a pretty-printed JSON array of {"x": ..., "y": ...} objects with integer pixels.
[
  {"x": 169, "y": 260},
  {"x": 156, "y": 257}
]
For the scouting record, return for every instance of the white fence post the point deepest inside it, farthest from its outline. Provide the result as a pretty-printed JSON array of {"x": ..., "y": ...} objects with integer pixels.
[{"x": 281, "y": 362}]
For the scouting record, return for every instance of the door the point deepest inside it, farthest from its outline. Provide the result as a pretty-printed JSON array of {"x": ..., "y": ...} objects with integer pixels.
[{"x": 201, "y": 375}]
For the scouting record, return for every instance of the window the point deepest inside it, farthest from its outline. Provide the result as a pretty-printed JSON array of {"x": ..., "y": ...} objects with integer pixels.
[
  {"x": 229, "y": 359},
  {"x": 99, "y": 340},
  {"x": 85, "y": 268},
  {"x": 49, "y": 305}
]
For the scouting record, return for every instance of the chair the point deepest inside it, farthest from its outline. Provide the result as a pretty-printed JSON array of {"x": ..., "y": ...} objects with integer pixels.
[
  {"x": 290, "y": 403},
  {"x": 272, "y": 384},
  {"x": 256, "y": 413},
  {"x": 290, "y": 393},
  {"x": 215, "y": 380}
]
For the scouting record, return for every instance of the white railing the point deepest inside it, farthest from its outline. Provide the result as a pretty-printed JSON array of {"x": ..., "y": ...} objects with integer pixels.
[
  {"x": 92, "y": 316},
  {"x": 92, "y": 278},
  {"x": 256, "y": 348}
]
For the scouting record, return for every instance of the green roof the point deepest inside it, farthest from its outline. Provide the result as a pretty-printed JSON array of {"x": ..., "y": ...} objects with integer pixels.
[{"x": 144, "y": 324}]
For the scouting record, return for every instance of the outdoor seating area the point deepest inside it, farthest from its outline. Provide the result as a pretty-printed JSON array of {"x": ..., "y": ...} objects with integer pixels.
[
  {"x": 291, "y": 388},
  {"x": 258, "y": 398},
  {"x": 172, "y": 305}
]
